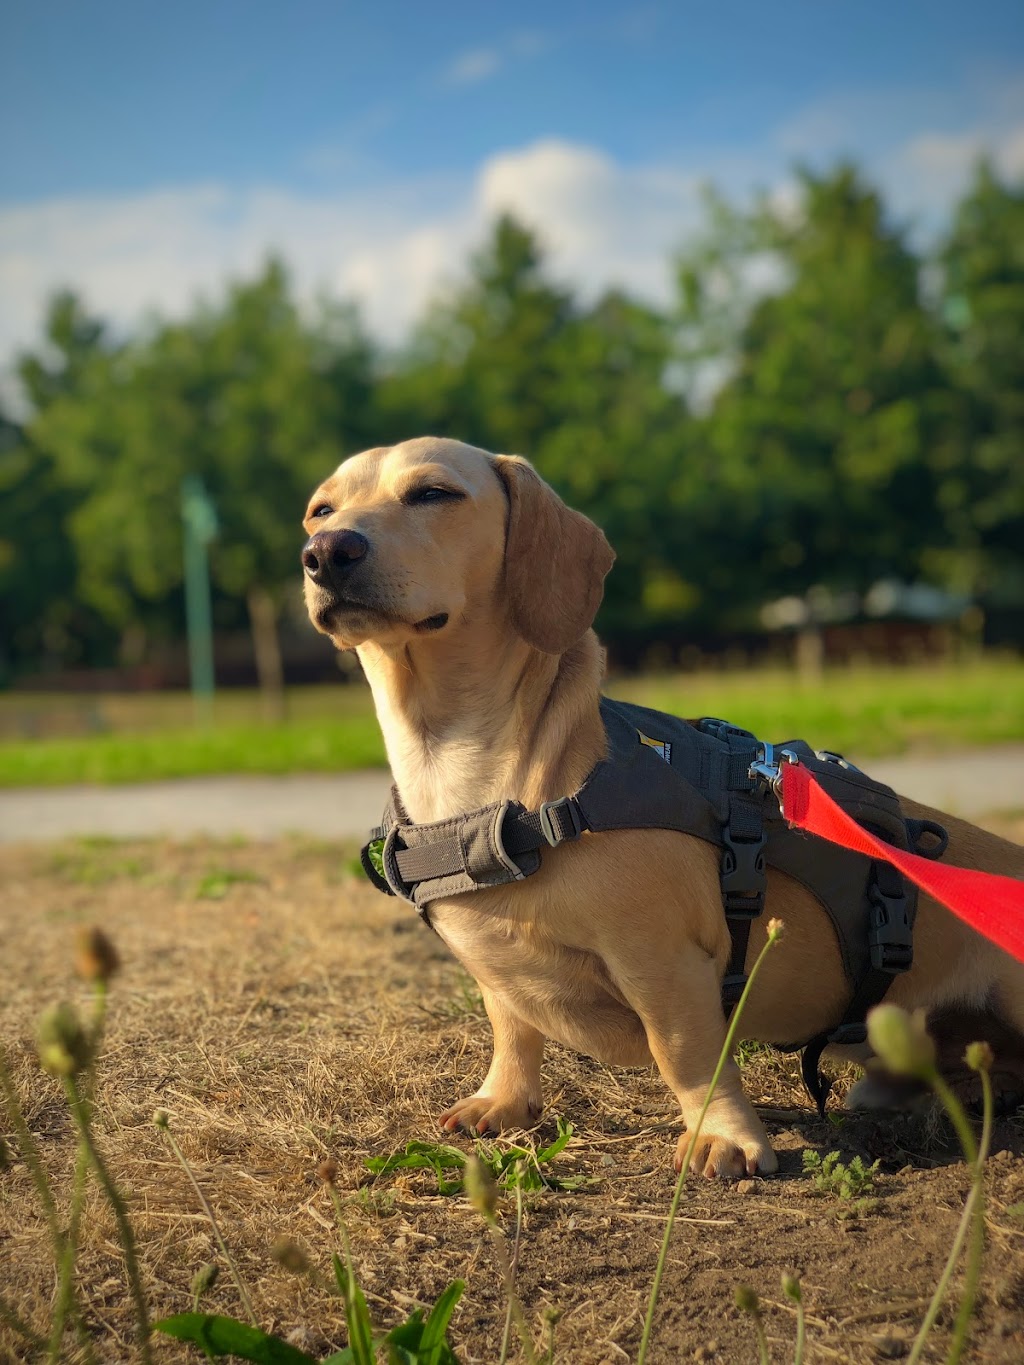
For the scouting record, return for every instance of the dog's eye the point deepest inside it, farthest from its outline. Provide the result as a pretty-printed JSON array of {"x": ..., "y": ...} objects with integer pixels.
[
  {"x": 432, "y": 494},
  {"x": 322, "y": 511}
]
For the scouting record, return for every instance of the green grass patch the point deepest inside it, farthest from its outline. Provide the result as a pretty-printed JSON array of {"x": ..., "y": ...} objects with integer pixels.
[
  {"x": 215, "y": 885},
  {"x": 863, "y": 712},
  {"x": 295, "y": 747}
]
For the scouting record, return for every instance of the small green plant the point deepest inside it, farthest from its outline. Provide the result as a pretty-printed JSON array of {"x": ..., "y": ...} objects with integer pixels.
[
  {"x": 903, "y": 1043},
  {"x": 776, "y": 928},
  {"x": 68, "y": 1050},
  {"x": 162, "y": 1120},
  {"x": 749, "y": 1049},
  {"x": 465, "y": 1002},
  {"x": 375, "y": 853},
  {"x": 748, "y": 1302},
  {"x": 215, "y": 884},
  {"x": 416, "y": 1341},
  {"x": 793, "y": 1291},
  {"x": 510, "y": 1166},
  {"x": 94, "y": 862},
  {"x": 852, "y": 1184},
  {"x": 482, "y": 1192}
]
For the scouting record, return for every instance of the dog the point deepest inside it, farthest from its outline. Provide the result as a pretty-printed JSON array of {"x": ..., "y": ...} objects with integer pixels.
[{"x": 468, "y": 590}]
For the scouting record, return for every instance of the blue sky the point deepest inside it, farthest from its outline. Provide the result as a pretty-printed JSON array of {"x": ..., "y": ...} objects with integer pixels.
[{"x": 146, "y": 151}]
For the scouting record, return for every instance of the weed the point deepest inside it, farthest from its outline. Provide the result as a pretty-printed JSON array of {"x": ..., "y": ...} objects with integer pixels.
[
  {"x": 748, "y": 1302},
  {"x": 793, "y": 1291},
  {"x": 94, "y": 862},
  {"x": 466, "y": 1002},
  {"x": 162, "y": 1121},
  {"x": 852, "y": 1184},
  {"x": 903, "y": 1043},
  {"x": 482, "y": 1191},
  {"x": 68, "y": 1051},
  {"x": 749, "y": 1049},
  {"x": 775, "y": 932},
  {"x": 215, "y": 884},
  {"x": 510, "y": 1166},
  {"x": 379, "y": 1203}
]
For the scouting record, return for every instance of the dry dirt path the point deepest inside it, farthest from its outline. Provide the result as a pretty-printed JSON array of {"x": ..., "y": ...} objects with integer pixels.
[{"x": 971, "y": 783}]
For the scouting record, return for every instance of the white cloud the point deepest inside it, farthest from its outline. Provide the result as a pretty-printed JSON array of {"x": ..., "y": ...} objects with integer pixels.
[
  {"x": 470, "y": 68},
  {"x": 602, "y": 222},
  {"x": 390, "y": 249},
  {"x": 920, "y": 144},
  {"x": 481, "y": 63}
]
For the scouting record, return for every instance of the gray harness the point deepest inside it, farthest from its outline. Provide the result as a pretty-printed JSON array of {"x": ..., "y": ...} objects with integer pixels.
[{"x": 665, "y": 773}]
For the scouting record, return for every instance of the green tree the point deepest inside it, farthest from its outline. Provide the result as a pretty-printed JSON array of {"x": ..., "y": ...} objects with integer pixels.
[
  {"x": 513, "y": 363},
  {"x": 824, "y": 442},
  {"x": 246, "y": 394},
  {"x": 982, "y": 299},
  {"x": 44, "y": 619},
  {"x": 480, "y": 366}
]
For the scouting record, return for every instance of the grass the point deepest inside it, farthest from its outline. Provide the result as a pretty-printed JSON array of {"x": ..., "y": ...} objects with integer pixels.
[
  {"x": 861, "y": 712},
  {"x": 306, "y": 1018},
  {"x": 338, "y": 746}
]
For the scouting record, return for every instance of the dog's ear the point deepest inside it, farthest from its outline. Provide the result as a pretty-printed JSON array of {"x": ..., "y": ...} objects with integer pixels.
[{"x": 555, "y": 561}]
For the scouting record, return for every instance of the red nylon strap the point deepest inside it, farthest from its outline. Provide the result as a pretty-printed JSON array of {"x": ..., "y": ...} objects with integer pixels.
[{"x": 991, "y": 904}]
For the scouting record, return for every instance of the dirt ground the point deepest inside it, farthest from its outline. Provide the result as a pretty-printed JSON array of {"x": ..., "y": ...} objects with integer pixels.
[{"x": 282, "y": 1012}]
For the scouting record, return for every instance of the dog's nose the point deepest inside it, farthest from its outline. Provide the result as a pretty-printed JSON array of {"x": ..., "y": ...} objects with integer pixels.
[{"x": 327, "y": 555}]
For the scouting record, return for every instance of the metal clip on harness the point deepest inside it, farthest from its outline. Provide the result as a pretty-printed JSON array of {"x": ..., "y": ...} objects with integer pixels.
[{"x": 767, "y": 768}]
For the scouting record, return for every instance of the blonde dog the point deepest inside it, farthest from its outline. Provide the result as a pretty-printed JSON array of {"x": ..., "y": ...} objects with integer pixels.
[{"x": 468, "y": 589}]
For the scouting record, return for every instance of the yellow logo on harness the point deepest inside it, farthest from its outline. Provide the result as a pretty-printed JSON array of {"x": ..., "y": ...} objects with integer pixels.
[{"x": 661, "y": 747}]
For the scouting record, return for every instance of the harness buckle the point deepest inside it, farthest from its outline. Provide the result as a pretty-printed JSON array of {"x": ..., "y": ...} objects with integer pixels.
[
  {"x": 848, "y": 1034},
  {"x": 554, "y": 829},
  {"x": 742, "y": 875},
  {"x": 891, "y": 937},
  {"x": 722, "y": 729},
  {"x": 732, "y": 988}
]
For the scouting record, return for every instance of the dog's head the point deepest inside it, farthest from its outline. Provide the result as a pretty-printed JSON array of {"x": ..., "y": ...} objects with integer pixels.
[{"x": 416, "y": 539}]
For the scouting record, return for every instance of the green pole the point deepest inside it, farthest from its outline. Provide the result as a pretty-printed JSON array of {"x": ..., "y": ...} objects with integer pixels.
[{"x": 199, "y": 519}]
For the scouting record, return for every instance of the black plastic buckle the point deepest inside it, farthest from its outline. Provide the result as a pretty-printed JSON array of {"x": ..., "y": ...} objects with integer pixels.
[
  {"x": 891, "y": 937},
  {"x": 732, "y": 989},
  {"x": 742, "y": 875},
  {"x": 557, "y": 835},
  {"x": 847, "y": 1035},
  {"x": 722, "y": 729}
]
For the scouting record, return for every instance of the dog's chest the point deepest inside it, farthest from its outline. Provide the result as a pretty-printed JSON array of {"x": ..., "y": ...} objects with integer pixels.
[{"x": 564, "y": 992}]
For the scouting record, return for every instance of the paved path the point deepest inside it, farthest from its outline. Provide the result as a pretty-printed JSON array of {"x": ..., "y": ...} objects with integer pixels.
[{"x": 970, "y": 782}]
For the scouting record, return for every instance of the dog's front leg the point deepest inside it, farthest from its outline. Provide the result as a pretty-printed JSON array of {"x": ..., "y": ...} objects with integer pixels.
[
  {"x": 510, "y": 1096},
  {"x": 679, "y": 1004}
]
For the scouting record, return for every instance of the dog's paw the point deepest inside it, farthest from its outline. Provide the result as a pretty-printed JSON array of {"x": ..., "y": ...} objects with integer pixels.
[
  {"x": 481, "y": 1114},
  {"x": 720, "y": 1158}
]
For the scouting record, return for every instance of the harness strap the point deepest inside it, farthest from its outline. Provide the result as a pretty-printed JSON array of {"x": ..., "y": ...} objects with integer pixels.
[
  {"x": 522, "y": 831},
  {"x": 891, "y": 940},
  {"x": 742, "y": 869},
  {"x": 491, "y": 846}
]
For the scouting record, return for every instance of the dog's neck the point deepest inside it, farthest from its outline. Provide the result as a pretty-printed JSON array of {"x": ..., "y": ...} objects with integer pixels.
[{"x": 487, "y": 718}]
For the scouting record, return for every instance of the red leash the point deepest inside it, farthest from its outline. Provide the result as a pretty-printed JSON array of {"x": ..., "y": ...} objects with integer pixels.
[{"x": 991, "y": 904}]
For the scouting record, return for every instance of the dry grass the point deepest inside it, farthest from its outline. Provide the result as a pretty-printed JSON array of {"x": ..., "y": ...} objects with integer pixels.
[{"x": 301, "y": 1015}]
